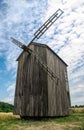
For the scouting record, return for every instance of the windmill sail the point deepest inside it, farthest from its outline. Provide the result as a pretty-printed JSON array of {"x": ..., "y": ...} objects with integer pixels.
[
  {"x": 21, "y": 45},
  {"x": 48, "y": 23}
]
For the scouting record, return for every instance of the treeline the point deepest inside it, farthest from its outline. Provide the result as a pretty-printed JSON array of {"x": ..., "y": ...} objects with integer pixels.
[
  {"x": 77, "y": 106},
  {"x": 5, "y": 107}
]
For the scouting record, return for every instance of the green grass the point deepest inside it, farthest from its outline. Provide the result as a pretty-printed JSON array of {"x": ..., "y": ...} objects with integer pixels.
[{"x": 73, "y": 122}]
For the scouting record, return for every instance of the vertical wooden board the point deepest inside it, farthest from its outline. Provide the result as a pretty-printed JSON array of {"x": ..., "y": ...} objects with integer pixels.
[
  {"x": 62, "y": 87},
  {"x": 67, "y": 88},
  {"x": 40, "y": 106},
  {"x": 31, "y": 105},
  {"x": 29, "y": 87},
  {"x": 50, "y": 89},
  {"x": 58, "y": 90},
  {"x": 44, "y": 91},
  {"x": 63, "y": 90},
  {"x": 43, "y": 82},
  {"x": 20, "y": 85},
  {"x": 56, "y": 71},
  {"x": 35, "y": 83},
  {"x": 16, "y": 106},
  {"x": 17, "y": 100},
  {"x": 23, "y": 88},
  {"x": 51, "y": 85}
]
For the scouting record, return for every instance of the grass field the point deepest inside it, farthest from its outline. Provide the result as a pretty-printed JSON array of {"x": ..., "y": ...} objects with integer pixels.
[{"x": 73, "y": 122}]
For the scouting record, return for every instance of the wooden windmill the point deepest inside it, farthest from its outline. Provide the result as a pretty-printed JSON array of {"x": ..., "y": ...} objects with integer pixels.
[{"x": 42, "y": 85}]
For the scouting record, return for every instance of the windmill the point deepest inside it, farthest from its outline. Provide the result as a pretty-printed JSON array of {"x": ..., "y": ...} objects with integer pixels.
[{"x": 42, "y": 84}]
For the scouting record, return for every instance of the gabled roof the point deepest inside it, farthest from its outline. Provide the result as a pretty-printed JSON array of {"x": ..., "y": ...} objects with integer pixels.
[{"x": 42, "y": 45}]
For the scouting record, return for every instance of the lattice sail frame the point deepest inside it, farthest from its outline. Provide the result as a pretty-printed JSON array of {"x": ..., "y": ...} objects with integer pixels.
[{"x": 48, "y": 23}]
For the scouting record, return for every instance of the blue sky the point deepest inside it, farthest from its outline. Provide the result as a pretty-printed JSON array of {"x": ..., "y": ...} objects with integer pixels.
[{"x": 20, "y": 19}]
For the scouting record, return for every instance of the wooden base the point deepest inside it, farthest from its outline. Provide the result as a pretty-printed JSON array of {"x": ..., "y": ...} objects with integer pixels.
[{"x": 40, "y": 118}]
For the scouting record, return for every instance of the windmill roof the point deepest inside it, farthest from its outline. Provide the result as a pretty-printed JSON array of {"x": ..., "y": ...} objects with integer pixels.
[{"x": 42, "y": 45}]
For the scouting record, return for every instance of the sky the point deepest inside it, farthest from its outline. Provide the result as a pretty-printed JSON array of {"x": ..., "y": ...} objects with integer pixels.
[{"x": 21, "y": 18}]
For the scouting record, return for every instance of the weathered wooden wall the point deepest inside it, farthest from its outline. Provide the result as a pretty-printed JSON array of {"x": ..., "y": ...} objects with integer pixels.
[
  {"x": 58, "y": 98},
  {"x": 38, "y": 94}
]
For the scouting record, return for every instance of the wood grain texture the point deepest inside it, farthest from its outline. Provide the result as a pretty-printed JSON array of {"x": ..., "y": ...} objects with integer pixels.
[{"x": 37, "y": 93}]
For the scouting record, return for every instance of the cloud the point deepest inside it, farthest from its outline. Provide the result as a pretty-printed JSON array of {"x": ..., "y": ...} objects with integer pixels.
[
  {"x": 10, "y": 92},
  {"x": 68, "y": 42},
  {"x": 18, "y": 22},
  {"x": 77, "y": 94},
  {"x": 20, "y": 19}
]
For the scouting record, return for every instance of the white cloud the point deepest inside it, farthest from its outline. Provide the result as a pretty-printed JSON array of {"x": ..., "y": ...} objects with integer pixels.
[
  {"x": 20, "y": 20},
  {"x": 11, "y": 92},
  {"x": 8, "y": 100},
  {"x": 68, "y": 42},
  {"x": 65, "y": 37},
  {"x": 77, "y": 94}
]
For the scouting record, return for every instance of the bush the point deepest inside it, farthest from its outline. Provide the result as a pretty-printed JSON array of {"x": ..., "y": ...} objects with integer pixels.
[{"x": 5, "y": 107}]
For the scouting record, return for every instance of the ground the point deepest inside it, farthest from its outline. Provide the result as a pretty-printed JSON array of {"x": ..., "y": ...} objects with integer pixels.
[{"x": 75, "y": 121}]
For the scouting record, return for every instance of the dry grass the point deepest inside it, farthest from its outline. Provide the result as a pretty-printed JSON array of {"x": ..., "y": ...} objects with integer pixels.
[
  {"x": 78, "y": 110},
  {"x": 48, "y": 126},
  {"x": 4, "y": 116}
]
